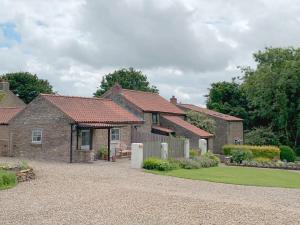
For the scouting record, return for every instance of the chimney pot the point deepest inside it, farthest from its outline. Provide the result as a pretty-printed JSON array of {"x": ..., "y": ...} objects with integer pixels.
[
  {"x": 173, "y": 100},
  {"x": 4, "y": 85}
]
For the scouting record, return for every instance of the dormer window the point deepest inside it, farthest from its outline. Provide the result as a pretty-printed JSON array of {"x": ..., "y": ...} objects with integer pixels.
[{"x": 154, "y": 118}]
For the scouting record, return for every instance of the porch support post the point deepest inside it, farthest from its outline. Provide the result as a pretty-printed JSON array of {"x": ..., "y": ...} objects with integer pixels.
[
  {"x": 108, "y": 144},
  {"x": 71, "y": 144},
  {"x": 91, "y": 138}
]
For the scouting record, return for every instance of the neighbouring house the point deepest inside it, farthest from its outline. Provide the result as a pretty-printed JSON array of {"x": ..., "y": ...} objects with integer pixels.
[
  {"x": 8, "y": 98},
  {"x": 70, "y": 129},
  {"x": 229, "y": 129},
  {"x": 158, "y": 114},
  {"x": 10, "y": 105}
]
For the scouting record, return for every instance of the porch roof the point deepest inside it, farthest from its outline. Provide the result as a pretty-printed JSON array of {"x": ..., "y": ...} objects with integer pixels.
[{"x": 97, "y": 125}]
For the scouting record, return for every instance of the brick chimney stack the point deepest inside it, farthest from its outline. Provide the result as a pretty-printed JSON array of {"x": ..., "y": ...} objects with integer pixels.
[
  {"x": 4, "y": 85},
  {"x": 173, "y": 100}
]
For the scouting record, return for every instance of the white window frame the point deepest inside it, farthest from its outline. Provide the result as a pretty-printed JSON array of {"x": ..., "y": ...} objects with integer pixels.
[
  {"x": 34, "y": 136},
  {"x": 113, "y": 136},
  {"x": 85, "y": 147}
]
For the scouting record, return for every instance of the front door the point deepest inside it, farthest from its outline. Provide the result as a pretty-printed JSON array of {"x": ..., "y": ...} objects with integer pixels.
[{"x": 85, "y": 139}]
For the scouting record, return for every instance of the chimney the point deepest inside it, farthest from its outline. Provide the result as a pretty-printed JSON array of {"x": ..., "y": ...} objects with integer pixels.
[
  {"x": 4, "y": 85},
  {"x": 173, "y": 100},
  {"x": 116, "y": 89}
]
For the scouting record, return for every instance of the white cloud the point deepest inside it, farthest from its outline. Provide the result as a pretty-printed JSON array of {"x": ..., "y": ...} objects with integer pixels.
[{"x": 182, "y": 45}]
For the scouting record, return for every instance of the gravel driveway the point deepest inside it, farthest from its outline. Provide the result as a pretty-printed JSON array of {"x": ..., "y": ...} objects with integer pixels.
[{"x": 113, "y": 193}]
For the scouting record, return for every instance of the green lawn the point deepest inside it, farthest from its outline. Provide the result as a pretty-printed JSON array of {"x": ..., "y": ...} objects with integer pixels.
[
  {"x": 7, "y": 180},
  {"x": 240, "y": 175}
]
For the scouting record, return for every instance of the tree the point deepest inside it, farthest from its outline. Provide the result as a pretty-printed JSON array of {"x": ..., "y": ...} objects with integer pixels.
[
  {"x": 127, "y": 78},
  {"x": 261, "y": 136},
  {"x": 273, "y": 91},
  {"x": 201, "y": 121},
  {"x": 26, "y": 85},
  {"x": 229, "y": 98}
]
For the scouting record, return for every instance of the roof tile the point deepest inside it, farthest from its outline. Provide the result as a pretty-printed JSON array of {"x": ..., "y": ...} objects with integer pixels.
[
  {"x": 184, "y": 124},
  {"x": 150, "y": 102},
  {"x": 210, "y": 112},
  {"x": 92, "y": 110},
  {"x": 7, "y": 113}
]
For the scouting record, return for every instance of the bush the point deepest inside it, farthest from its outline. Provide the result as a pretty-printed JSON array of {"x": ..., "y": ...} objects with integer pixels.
[
  {"x": 287, "y": 153},
  {"x": 261, "y": 136},
  {"x": 271, "y": 152},
  {"x": 7, "y": 179},
  {"x": 204, "y": 161},
  {"x": 193, "y": 153},
  {"x": 239, "y": 156},
  {"x": 262, "y": 160},
  {"x": 159, "y": 164}
]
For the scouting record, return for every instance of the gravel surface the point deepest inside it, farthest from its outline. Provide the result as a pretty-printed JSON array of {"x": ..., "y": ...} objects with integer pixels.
[{"x": 113, "y": 193}]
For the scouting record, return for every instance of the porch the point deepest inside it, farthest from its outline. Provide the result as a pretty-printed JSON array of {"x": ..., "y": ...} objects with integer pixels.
[{"x": 90, "y": 140}]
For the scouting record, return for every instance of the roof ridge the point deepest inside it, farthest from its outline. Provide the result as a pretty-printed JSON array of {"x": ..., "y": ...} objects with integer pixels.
[
  {"x": 80, "y": 97},
  {"x": 148, "y": 92}
]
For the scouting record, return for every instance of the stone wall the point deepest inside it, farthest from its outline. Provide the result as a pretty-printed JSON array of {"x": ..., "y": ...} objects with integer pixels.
[
  {"x": 236, "y": 132},
  {"x": 4, "y": 140},
  {"x": 9, "y": 99},
  {"x": 55, "y": 127}
]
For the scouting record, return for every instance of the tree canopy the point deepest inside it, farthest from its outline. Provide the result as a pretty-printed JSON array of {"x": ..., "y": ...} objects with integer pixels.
[
  {"x": 128, "y": 79},
  {"x": 26, "y": 85},
  {"x": 269, "y": 94}
]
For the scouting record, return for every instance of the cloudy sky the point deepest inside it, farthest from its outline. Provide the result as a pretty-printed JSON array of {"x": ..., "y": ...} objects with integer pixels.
[{"x": 182, "y": 45}]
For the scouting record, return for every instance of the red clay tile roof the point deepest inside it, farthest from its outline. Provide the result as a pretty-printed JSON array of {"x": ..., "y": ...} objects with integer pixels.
[
  {"x": 184, "y": 124},
  {"x": 210, "y": 112},
  {"x": 7, "y": 113},
  {"x": 91, "y": 110},
  {"x": 150, "y": 102},
  {"x": 163, "y": 129}
]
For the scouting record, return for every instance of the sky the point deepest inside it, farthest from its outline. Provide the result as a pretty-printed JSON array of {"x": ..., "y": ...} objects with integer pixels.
[{"x": 181, "y": 45}]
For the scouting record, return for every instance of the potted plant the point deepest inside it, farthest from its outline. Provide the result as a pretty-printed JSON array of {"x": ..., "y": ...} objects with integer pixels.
[{"x": 103, "y": 153}]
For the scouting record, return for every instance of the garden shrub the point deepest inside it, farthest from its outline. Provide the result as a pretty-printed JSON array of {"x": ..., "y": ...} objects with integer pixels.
[
  {"x": 203, "y": 161},
  {"x": 194, "y": 153},
  {"x": 262, "y": 160},
  {"x": 287, "y": 153},
  {"x": 239, "y": 156},
  {"x": 153, "y": 163},
  {"x": 271, "y": 152},
  {"x": 7, "y": 179}
]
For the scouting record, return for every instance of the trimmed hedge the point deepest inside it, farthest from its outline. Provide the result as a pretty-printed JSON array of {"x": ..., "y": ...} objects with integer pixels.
[
  {"x": 154, "y": 163},
  {"x": 271, "y": 152},
  {"x": 287, "y": 153}
]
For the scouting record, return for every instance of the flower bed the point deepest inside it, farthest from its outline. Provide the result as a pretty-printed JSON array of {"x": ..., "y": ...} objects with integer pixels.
[
  {"x": 22, "y": 171},
  {"x": 271, "y": 164}
]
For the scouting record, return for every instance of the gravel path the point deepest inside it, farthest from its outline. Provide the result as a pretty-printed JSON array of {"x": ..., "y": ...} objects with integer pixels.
[{"x": 113, "y": 193}]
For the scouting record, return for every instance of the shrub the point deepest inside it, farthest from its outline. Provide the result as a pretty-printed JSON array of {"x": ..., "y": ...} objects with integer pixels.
[
  {"x": 239, "y": 156},
  {"x": 262, "y": 160},
  {"x": 271, "y": 152},
  {"x": 158, "y": 164},
  {"x": 24, "y": 165},
  {"x": 287, "y": 153},
  {"x": 261, "y": 136},
  {"x": 193, "y": 153},
  {"x": 203, "y": 161},
  {"x": 7, "y": 179}
]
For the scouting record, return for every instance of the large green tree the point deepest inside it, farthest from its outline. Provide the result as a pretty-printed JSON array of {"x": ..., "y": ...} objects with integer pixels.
[
  {"x": 26, "y": 85},
  {"x": 273, "y": 90},
  {"x": 127, "y": 78},
  {"x": 229, "y": 98}
]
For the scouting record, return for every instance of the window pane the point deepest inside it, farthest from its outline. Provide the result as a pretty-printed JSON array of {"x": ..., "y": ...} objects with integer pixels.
[
  {"x": 85, "y": 138},
  {"x": 115, "y": 134},
  {"x": 36, "y": 136}
]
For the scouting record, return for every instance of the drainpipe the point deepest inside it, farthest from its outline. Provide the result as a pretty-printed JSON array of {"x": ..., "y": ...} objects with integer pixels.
[{"x": 71, "y": 144}]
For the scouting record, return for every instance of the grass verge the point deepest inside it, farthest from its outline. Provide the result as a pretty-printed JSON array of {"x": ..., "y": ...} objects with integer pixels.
[
  {"x": 7, "y": 179},
  {"x": 239, "y": 175}
]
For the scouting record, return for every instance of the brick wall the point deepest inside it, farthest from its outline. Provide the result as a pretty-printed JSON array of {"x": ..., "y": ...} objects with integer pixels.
[
  {"x": 4, "y": 140},
  {"x": 56, "y": 132}
]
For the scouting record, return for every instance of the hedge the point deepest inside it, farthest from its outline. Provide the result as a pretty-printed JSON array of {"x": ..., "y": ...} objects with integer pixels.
[{"x": 270, "y": 152}]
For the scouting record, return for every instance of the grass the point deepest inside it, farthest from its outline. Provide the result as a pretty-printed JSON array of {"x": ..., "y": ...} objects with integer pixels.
[
  {"x": 7, "y": 179},
  {"x": 239, "y": 175}
]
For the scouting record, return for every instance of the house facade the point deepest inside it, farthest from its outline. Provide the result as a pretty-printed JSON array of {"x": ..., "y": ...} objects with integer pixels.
[
  {"x": 229, "y": 129},
  {"x": 70, "y": 129},
  {"x": 158, "y": 114},
  {"x": 10, "y": 106}
]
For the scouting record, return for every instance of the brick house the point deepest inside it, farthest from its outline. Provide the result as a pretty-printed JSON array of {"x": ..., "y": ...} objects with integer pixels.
[
  {"x": 229, "y": 129},
  {"x": 70, "y": 129},
  {"x": 10, "y": 105},
  {"x": 158, "y": 114}
]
